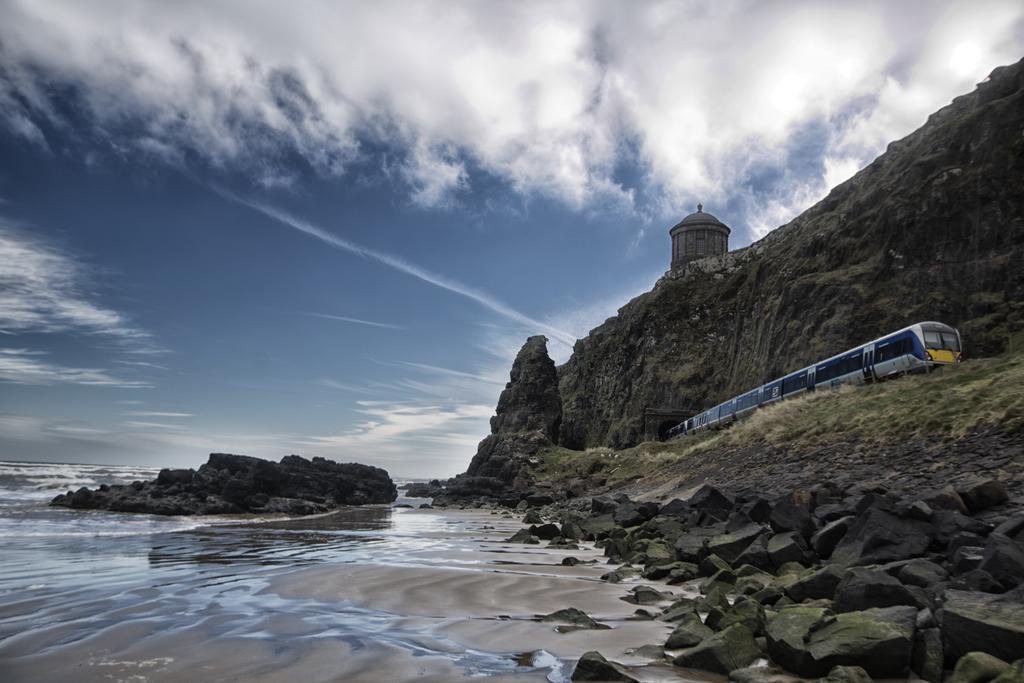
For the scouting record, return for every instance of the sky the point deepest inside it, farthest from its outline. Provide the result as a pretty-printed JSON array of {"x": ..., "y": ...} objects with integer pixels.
[{"x": 242, "y": 227}]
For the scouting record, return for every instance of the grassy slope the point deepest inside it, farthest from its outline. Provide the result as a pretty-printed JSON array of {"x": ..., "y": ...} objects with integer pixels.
[{"x": 947, "y": 405}]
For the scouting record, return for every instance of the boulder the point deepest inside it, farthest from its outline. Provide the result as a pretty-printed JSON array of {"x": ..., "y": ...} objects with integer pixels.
[
  {"x": 827, "y": 537},
  {"x": 545, "y": 532},
  {"x": 630, "y": 514},
  {"x": 977, "y": 667},
  {"x": 878, "y": 537},
  {"x": 691, "y": 547},
  {"x": 847, "y": 674},
  {"x": 926, "y": 660},
  {"x": 756, "y": 555},
  {"x": 974, "y": 621},
  {"x": 983, "y": 495},
  {"x": 788, "y": 547},
  {"x": 744, "y": 611},
  {"x": 592, "y": 666},
  {"x": 862, "y": 588},
  {"x": 1012, "y": 527},
  {"x": 1014, "y": 674},
  {"x": 709, "y": 499},
  {"x": 730, "y": 545},
  {"x": 688, "y": 633},
  {"x": 976, "y": 580},
  {"x": 574, "y": 617},
  {"x": 789, "y": 515},
  {"x": 1003, "y": 559},
  {"x": 818, "y": 585},
  {"x": 723, "y": 652},
  {"x": 922, "y": 573},
  {"x": 809, "y": 643},
  {"x": 645, "y": 595}
]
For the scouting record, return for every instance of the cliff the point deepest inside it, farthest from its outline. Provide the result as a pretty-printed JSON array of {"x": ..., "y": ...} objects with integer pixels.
[
  {"x": 932, "y": 230},
  {"x": 527, "y": 419}
]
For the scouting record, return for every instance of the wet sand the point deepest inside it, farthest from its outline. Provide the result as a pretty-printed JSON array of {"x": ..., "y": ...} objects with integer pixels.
[{"x": 427, "y": 595}]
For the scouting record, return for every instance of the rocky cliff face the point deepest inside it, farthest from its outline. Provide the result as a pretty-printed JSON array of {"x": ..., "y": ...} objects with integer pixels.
[
  {"x": 528, "y": 417},
  {"x": 932, "y": 230}
]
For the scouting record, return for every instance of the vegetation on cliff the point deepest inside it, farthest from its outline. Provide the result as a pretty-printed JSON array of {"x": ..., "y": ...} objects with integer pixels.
[{"x": 947, "y": 419}]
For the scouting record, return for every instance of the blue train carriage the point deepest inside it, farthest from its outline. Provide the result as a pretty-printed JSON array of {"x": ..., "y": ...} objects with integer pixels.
[{"x": 917, "y": 348}]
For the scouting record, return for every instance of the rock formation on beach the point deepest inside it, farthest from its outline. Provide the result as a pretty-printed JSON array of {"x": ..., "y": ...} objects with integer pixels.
[
  {"x": 229, "y": 484},
  {"x": 527, "y": 419}
]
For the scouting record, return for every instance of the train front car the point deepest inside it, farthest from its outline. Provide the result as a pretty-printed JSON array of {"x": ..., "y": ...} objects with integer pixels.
[{"x": 941, "y": 343}]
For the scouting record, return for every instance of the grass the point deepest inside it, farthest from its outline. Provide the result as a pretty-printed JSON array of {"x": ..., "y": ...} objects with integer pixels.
[{"x": 947, "y": 405}]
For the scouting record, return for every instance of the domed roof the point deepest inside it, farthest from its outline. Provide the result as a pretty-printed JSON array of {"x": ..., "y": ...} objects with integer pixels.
[{"x": 700, "y": 219}]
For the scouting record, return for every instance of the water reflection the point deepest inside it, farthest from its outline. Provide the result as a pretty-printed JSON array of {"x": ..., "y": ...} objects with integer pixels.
[{"x": 293, "y": 542}]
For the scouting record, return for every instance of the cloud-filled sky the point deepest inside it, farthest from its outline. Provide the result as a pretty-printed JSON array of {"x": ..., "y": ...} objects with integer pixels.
[{"x": 240, "y": 227}]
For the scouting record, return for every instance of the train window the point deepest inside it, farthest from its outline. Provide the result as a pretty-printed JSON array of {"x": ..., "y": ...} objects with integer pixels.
[
  {"x": 933, "y": 340},
  {"x": 949, "y": 341},
  {"x": 794, "y": 383}
]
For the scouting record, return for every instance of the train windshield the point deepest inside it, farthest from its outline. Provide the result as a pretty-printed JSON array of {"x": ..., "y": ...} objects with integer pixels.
[{"x": 941, "y": 340}]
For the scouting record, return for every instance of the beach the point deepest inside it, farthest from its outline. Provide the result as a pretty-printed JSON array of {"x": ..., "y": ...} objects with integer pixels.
[{"x": 368, "y": 593}]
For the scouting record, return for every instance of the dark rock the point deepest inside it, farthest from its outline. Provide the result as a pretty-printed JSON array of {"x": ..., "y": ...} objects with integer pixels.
[
  {"x": 691, "y": 547},
  {"x": 947, "y": 499},
  {"x": 756, "y": 555},
  {"x": 168, "y": 477},
  {"x": 645, "y": 595},
  {"x": 523, "y": 536},
  {"x": 809, "y": 643},
  {"x": 976, "y": 580},
  {"x": 730, "y": 545},
  {"x": 973, "y": 621},
  {"x": 923, "y": 573},
  {"x": 709, "y": 499},
  {"x": 983, "y": 495},
  {"x": 530, "y": 401},
  {"x": 1012, "y": 528},
  {"x": 570, "y": 561},
  {"x": 631, "y": 514},
  {"x": 926, "y": 660},
  {"x": 688, "y": 633},
  {"x": 728, "y": 650},
  {"x": 789, "y": 515},
  {"x": 819, "y": 585},
  {"x": 238, "y": 483},
  {"x": 593, "y": 667},
  {"x": 533, "y": 517},
  {"x": 575, "y": 617},
  {"x": 862, "y": 588},
  {"x": 712, "y": 564},
  {"x": 1003, "y": 559},
  {"x": 827, "y": 538},
  {"x": 847, "y": 674},
  {"x": 950, "y": 523},
  {"x": 602, "y": 505},
  {"x": 545, "y": 532},
  {"x": 879, "y": 536},
  {"x": 748, "y": 612},
  {"x": 1015, "y": 674},
  {"x": 788, "y": 547},
  {"x": 977, "y": 667}
]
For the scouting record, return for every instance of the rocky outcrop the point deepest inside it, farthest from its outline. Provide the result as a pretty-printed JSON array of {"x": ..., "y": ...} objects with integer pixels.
[
  {"x": 229, "y": 484},
  {"x": 530, "y": 401},
  {"x": 932, "y": 230},
  {"x": 527, "y": 419}
]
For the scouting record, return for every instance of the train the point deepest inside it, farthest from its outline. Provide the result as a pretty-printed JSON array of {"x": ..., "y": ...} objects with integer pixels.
[{"x": 920, "y": 347}]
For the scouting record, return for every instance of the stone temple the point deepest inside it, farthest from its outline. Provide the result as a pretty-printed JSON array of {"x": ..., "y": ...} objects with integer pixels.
[{"x": 697, "y": 236}]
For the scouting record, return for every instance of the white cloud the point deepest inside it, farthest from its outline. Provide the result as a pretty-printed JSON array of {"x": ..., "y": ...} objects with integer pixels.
[
  {"x": 23, "y": 366},
  {"x": 546, "y": 97},
  {"x": 43, "y": 289}
]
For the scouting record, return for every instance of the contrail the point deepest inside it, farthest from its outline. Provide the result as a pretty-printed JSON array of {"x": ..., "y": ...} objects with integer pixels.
[
  {"x": 401, "y": 265},
  {"x": 358, "y": 321}
]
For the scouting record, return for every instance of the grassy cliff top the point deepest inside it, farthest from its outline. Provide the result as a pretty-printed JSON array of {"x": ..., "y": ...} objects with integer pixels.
[{"x": 933, "y": 413}]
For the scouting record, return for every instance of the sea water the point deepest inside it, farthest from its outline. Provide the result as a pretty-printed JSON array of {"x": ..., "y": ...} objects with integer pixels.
[{"x": 77, "y": 587}]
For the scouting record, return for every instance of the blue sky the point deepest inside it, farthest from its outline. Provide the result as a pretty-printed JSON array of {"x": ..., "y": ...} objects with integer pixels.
[{"x": 240, "y": 228}]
